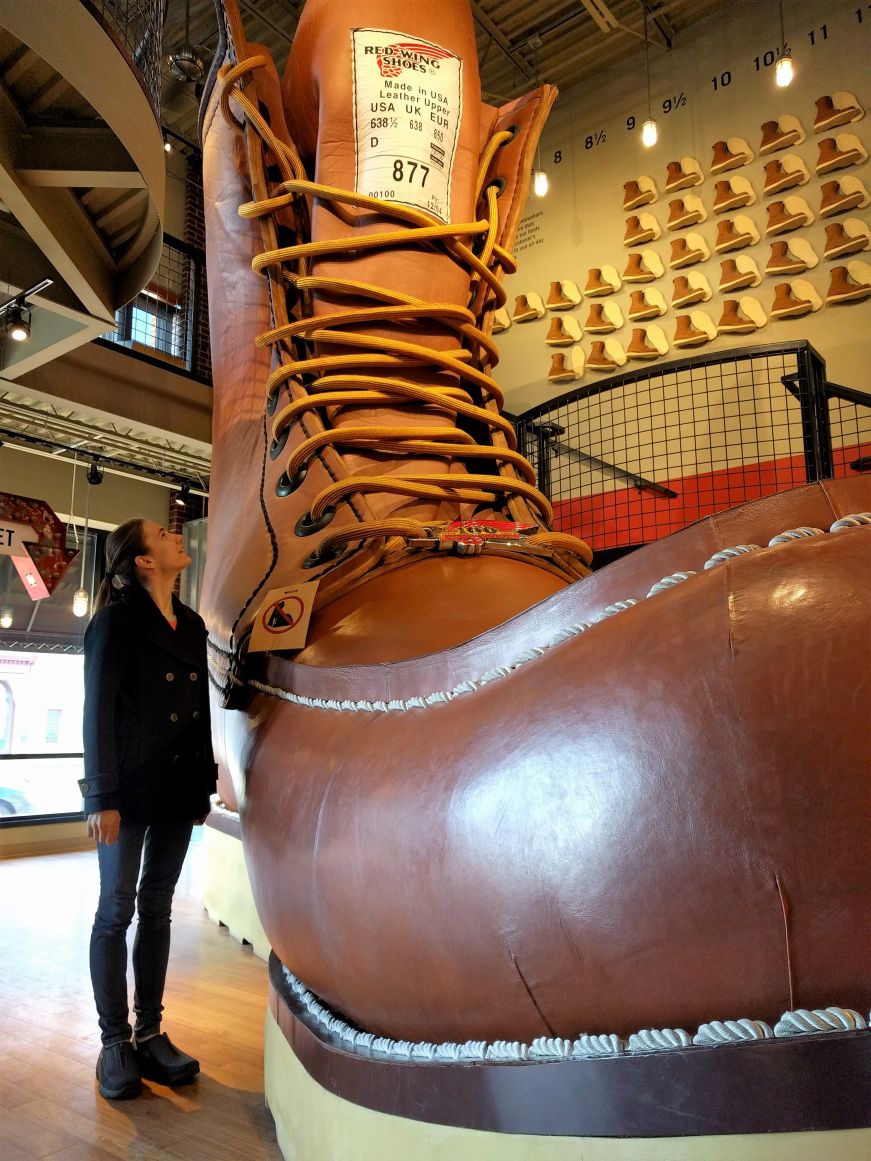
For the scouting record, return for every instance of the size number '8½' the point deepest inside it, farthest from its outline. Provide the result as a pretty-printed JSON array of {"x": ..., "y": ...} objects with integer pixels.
[{"x": 405, "y": 171}]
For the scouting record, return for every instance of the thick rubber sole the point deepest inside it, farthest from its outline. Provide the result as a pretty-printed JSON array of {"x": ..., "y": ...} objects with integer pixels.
[
  {"x": 172, "y": 1080},
  {"x": 125, "y": 1092}
]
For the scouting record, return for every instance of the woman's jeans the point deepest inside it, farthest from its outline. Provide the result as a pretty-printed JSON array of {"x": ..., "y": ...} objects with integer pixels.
[{"x": 161, "y": 850}]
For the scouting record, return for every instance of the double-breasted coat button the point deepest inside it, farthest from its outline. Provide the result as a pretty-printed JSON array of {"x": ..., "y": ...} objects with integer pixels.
[
  {"x": 170, "y": 677},
  {"x": 194, "y": 676},
  {"x": 173, "y": 717}
]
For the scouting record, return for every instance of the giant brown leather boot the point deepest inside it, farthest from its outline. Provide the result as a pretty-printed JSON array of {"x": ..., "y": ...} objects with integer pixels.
[{"x": 458, "y": 796}]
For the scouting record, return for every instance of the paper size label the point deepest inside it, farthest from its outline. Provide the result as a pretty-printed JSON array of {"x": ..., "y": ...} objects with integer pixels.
[{"x": 408, "y": 97}]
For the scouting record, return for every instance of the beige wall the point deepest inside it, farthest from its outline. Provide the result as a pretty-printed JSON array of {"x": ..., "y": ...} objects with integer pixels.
[{"x": 581, "y": 223}]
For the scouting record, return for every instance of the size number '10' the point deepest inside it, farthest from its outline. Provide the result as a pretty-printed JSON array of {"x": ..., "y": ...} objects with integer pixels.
[{"x": 722, "y": 81}]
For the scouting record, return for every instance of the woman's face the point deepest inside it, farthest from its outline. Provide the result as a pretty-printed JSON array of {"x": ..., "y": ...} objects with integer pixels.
[{"x": 164, "y": 549}]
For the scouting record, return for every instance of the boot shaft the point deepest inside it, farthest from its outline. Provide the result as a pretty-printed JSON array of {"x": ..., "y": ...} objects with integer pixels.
[{"x": 364, "y": 377}]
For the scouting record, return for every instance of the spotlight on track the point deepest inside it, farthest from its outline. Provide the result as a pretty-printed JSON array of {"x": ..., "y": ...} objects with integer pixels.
[
  {"x": 182, "y": 496},
  {"x": 15, "y": 314},
  {"x": 95, "y": 473}
]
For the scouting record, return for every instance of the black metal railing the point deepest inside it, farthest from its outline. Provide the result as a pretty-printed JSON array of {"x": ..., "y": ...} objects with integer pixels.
[
  {"x": 136, "y": 26},
  {"x": 164, "y": 321},
  {"x": 640, "y": 455}
]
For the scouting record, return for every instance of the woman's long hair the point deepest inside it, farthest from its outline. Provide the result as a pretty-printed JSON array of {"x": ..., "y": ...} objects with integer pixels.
[{"x": 123, "y": 545}]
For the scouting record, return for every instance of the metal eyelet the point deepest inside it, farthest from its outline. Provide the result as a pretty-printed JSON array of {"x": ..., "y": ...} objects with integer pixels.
[
  {"x": 500, "y": 184},
  {"x": 284, "y": 485},
  {"x": 513, "y": 130},
  {"x": 271, "y": 402},
  {"x": 277, "y": 445},
  {"x": 316, "y": 558},
  {"x": 305, "y": 526}
]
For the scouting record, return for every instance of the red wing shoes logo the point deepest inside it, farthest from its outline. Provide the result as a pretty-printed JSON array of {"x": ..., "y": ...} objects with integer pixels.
[{"x": 404, "y": 55}]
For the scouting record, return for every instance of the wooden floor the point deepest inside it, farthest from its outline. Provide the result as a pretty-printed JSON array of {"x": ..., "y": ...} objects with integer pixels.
[{"x": 215, "y": 1004}]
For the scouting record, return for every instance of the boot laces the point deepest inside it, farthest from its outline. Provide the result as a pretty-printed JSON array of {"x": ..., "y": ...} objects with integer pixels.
[{"x": 371, "y": 372}]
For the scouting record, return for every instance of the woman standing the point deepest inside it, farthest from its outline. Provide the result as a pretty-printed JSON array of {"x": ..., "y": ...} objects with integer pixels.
[{"x": 149, "y": 772}]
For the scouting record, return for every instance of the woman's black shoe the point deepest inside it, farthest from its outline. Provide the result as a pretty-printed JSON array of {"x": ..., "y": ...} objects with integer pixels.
[
  {"x": 117, "y": 1073},
  {"x": 160, "y": 1060}
]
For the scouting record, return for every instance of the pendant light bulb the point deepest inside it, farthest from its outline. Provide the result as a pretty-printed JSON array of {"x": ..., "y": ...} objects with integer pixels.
[
  {"x": 81, "y": 602},
  {"x": 649, "y": 133},
  {"x": 540, "y": 183},
  {"x": 6, "y": 619},
  {"x": 784, "y": 71}
]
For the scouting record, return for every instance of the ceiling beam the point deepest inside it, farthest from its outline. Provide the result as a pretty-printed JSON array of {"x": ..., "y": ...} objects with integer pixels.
[
  {"x": 502, "y": 42},
  {"x": 75, "y": 158}
]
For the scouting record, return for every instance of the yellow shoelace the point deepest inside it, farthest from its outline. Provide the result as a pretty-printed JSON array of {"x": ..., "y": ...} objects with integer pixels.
[{"x": 371, "y": 374}]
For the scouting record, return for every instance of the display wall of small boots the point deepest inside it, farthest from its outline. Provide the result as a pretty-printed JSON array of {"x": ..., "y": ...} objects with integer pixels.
[{"x": 721, "y": 246}]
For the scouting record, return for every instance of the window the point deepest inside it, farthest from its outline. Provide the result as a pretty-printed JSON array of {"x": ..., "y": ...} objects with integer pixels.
[{"x": 52, "y": 727}]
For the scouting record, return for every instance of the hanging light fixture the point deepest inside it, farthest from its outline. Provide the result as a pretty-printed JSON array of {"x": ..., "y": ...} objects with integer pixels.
[
  {"x": 649, "y": 130},
  {"x": 183, "y": 495},
  {"x": 185, "y": 62},
  {"x": 784, "y": 70},
  {"x": 81, "y": 599},
  {"x": 6, "y": 619},
  {"x": 540, "y": 181},
  {"x": 18, "y": 323},
  {"x": 95, "y": 473},
  {"x": 16, "y": 314}
]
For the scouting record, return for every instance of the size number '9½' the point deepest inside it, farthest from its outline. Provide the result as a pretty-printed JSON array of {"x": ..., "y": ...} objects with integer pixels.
[{"x": 410, "y": 171}]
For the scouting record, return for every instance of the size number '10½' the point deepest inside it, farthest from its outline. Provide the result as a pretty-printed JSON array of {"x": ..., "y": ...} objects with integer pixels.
[{"x": 404, "y": 170}]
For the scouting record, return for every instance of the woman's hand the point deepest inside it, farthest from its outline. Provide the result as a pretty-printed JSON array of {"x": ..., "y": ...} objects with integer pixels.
[{"x": 103, "y": 825}]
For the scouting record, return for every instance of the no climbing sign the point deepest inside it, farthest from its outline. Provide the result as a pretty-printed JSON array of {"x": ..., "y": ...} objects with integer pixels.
[{"x": 282, "y": 618}]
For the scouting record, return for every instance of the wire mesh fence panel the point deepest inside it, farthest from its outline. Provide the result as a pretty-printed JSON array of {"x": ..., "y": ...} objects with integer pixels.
[
  {"x": 138, "y": 26},
  {"x": 642, "y": 455},
  {"x": 850, "y": 426},
  {"x": 165, "y": 319}
]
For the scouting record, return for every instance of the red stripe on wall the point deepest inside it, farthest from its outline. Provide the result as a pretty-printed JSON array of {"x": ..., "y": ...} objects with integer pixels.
[{"x": 624, "y": 516}]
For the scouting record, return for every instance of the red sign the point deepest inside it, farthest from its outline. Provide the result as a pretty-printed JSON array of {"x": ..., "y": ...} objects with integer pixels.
[{"x": 36, "y": 540}]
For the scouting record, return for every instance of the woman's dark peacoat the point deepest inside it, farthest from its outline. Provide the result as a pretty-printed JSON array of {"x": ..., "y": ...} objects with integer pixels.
[{"x": 147, "y": 734}]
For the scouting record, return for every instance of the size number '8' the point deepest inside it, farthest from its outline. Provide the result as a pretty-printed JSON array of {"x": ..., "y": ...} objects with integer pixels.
[{"x": 405, "y": 171}]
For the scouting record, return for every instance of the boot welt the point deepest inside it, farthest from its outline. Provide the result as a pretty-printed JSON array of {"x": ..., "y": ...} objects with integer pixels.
[
  {"x": 737, "y": 328},
  {"x": 646, "y": 312},
  {"x": 739, "y": 283},
  {"x": 184, "y": 1074},
  {"x": 800, "y": 308},
  {"x": 847, "y": 202},
  {"x": 851, "y": 246},
  {"x": 604, "y": 366},
  {"x": 692, "y": 340},
  {"x": 853, "y": 294},
  {"x": 787, "y": 181},
  {"x": 796, "y": 267},
  {"x": 842, "y": 161},
  {"x": 694, "y": 296}
]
